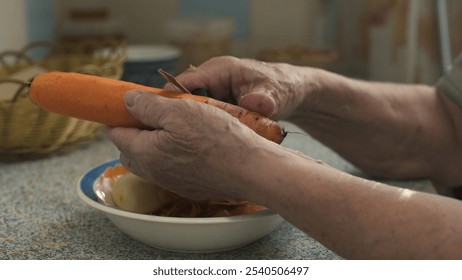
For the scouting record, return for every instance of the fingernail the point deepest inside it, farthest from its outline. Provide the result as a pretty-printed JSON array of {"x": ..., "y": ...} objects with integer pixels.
[
  {"x": 260, "y": 103},
  {"x": 130, "y": 97}
]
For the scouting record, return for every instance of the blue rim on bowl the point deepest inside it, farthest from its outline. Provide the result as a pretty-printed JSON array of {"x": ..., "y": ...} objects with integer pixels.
[{"x": 191, "y": 235}]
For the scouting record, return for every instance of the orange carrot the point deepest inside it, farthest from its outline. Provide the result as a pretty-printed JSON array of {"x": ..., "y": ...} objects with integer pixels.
[{"x": 100, "y": 100}]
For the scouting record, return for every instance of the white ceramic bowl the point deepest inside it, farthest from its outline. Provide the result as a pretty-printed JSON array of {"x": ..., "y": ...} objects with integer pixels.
[{"x": 181, "y": 234}]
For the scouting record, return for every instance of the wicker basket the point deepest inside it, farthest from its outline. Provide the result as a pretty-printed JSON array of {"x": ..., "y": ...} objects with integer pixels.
[{"x": 27, "y": 131}]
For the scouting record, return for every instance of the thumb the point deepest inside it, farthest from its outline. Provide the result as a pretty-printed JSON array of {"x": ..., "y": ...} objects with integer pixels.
[
  {"x": 143, "y": 106},
  {"x": 258, "y": 102}
]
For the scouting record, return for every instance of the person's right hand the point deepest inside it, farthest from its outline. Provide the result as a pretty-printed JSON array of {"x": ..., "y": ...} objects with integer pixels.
[{"x": 274, "y": 90}]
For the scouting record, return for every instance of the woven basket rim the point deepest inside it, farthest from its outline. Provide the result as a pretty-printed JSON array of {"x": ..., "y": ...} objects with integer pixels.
[{"x": 49, "y": 132}]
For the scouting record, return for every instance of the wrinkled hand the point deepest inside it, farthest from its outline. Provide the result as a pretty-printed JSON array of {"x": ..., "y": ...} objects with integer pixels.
[
  {"x": 195, "y": 150},
  {"x": 273, "y": 89}
]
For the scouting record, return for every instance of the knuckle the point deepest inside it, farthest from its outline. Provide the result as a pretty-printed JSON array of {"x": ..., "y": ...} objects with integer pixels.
[{"x": 224, "y": 59}]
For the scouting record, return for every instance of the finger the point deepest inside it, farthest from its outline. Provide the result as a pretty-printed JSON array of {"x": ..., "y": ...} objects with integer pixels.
[
  {"x": 130, "y": 164},
  {"x": 134, "y": 145},
  {"x": 191, "y": 79},
  {"x": 209, "y": 76},
  {"x": 147, "y": 107},
  {"x": 126, "y": 162},
  {"x": 257, "y": 102},
  {"x": 122, "y": 137}
]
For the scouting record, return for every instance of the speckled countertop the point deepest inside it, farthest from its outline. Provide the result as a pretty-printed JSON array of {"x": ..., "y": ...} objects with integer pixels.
[{"x": 43, "y": 218}]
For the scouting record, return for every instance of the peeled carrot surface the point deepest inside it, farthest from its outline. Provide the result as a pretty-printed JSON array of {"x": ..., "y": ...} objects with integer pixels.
[{"x": 101, "y": 100}]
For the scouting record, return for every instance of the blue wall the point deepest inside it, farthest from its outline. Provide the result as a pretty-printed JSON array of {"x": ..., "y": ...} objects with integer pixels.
[
  {"x": 237, "y": 9},
  {"x": 41, "y": 20}
]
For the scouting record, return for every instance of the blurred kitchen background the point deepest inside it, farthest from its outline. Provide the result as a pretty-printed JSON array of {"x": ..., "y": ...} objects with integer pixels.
[{"x": 387, "y": 40}]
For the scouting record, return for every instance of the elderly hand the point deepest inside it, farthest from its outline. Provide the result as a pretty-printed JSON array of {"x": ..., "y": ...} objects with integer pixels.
[
  {"x": 195, "y": 150},
  {"x": 272, "y": 89}
]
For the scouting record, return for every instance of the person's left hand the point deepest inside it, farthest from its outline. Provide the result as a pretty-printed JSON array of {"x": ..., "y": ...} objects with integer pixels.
[{"x": 194, "y": 149}]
